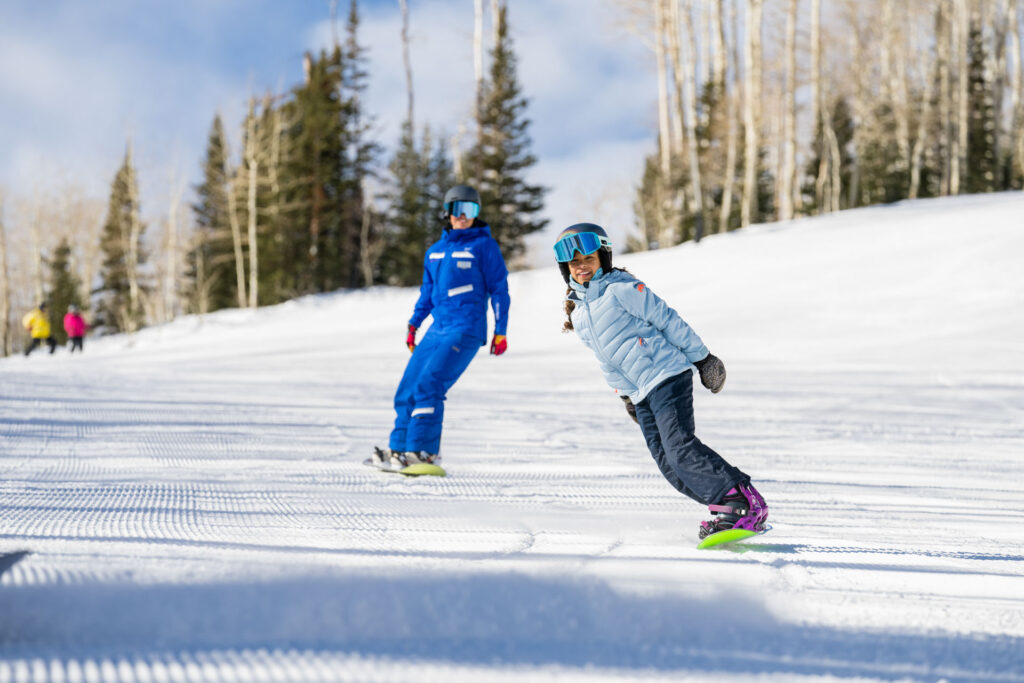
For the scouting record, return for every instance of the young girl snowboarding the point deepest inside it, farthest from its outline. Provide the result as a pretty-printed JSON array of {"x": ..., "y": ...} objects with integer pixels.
[{"x": 647, "y": 353}]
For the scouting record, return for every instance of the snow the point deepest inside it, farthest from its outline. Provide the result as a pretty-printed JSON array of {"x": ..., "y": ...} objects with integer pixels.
[{"x": 196, "y": 508}]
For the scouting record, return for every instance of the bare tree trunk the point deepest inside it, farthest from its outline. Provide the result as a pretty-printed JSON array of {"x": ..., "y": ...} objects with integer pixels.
[
  {"x": 677, "y": 102},
  {"x": 751, "y": 109},
  {"x": 170, "y": 297},
  {"x": 273, "y": 169},
  {"x": 407, "y": 63},
  {"x": 35, "y": 227},
  {"x": 134, "y": 235},
  {"x": 1016, "y": 82},
  {"x": 958, "y": 174},
  {"x": 690, "y": 115},
  {"x": 730, "y": 139},
  {"x": 252, "y": 164},
  {"x": 861, "y": 118},
  {"x": 923, "y": 119},
  {"x": 366, "y": 260},
  {"x": 236, "y": 238},
  {"x": 663, "y": 117},
  {"x": 943, "y": 38},
  {"x": 6, "y": 338},
  {"x": 456, "y": 146},
  {"x": 835, "y": 164},
  {"x": 1001, "y": 29},
  {"x": 818, "y": 121},
  {"x": 787, "y": 178},
  {"x": 719, "y": 56},
  {"x": 495, "y": 26},
  {"x": 478, "y": 59}
]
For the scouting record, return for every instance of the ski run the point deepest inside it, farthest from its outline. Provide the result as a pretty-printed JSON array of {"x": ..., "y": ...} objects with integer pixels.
[{"x": 195, "y": 505}]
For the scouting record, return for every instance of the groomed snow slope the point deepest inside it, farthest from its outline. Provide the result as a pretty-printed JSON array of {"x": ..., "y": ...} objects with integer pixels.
[{"x": 196, "y": 509}]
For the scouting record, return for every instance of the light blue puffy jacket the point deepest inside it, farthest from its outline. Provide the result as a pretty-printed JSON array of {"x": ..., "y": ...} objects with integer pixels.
[{"x": 639, "y": 340}]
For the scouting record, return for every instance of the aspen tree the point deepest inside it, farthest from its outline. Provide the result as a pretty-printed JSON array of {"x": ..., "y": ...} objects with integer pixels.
[
  {"x": 689, "y": 69},
  {"x": 5, "y": 288},
  {"x": 787, "y": 176},
  {"x": 252, "y": 167},
  {"x": 664, "y": 132},
  {"x": 751, "y": 109},
  {"x": 733, "y": 95}
]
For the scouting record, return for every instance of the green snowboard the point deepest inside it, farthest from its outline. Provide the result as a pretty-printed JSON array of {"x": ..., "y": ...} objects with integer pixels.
[
  {"x": 729, "y": 536},
  {"x": 417, "y": 470}
]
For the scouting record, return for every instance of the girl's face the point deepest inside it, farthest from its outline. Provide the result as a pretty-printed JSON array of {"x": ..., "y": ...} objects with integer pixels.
[{"x": 582, "y": 268}]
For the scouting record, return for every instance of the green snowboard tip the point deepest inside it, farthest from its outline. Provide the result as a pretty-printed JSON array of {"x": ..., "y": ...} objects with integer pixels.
[
  {"x": 727, "y": 536},
  {"x": 420, "y": 469}
]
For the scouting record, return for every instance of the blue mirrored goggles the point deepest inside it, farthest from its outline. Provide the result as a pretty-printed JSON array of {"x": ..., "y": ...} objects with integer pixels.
[
  {"x": 467, "y": 209},
  {"x": 584, "y": 242}
]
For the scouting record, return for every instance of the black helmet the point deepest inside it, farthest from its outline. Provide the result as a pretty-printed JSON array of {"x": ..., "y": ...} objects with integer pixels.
[
  {"x": 460, "y": 193},
  {"x": 604, "y": 253}
]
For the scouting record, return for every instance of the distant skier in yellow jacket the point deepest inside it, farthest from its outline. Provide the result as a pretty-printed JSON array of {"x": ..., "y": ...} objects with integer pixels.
[{"x": 38, "y": 325}]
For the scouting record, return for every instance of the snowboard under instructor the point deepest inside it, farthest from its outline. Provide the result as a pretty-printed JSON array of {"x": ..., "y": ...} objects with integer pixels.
[
  {"x": 462, "y": 271},
  {"x": 648, "y": 353}
]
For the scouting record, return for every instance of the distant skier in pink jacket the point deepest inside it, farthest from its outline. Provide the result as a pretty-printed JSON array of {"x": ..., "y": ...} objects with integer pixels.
[{"x": 75, "y": 326}]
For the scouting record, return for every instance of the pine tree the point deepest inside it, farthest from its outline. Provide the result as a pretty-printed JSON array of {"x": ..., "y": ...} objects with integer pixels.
[
  {"x": 419, "y": 179},
  {"x": 120, "y": 296},
  {"x": 210, "y": 261},
  {"x": 312, "y": 186},
  {"x": 359, "y": 154},
  {"x": 65, "y": 289},
  {"x": 884, "y": 173},
  {"x": 984, "y": 175},
  {"x": 501, "y": 156}
]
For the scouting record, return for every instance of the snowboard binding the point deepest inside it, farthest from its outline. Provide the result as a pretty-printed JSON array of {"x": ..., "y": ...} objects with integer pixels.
[{"x": 743, "y": 507}]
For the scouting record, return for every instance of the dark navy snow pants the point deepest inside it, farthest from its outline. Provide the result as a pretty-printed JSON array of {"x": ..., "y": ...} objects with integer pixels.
[
  {"x": 666, "y": 418},
  {"x": 438, "y": 361}
]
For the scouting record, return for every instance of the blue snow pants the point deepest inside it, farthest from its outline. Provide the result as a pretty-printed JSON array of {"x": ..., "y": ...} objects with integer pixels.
[
  {"x": 666, "y": 418},
  {"x": 436, "y": 363}
]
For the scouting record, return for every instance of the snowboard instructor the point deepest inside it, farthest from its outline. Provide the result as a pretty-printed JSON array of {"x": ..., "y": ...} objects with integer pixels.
[{"x": 461, "y": 272}]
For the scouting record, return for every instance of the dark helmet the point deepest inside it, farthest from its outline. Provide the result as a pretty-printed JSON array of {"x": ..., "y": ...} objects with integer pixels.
[
  {"x": 42, "y": 306},
  {"x": 460, "y": 193},
  {"x": 72, "y": 308},
  {"x": 604, "y": 253}
]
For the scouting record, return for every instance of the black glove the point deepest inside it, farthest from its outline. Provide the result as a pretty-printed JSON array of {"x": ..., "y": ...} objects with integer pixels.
[
  {"x": 712, "y": 373},
  {"x": 630, "y": 408}
]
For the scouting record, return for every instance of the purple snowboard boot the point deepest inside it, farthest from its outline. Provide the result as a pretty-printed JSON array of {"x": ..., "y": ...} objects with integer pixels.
[{"x": 741, "y": 508}]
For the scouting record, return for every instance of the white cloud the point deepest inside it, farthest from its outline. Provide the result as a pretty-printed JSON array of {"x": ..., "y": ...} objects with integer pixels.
[{"x": 77, "y": 81}]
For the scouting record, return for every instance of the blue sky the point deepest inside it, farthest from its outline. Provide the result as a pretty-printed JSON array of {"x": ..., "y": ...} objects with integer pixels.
[{"x": 78, "y": 78}]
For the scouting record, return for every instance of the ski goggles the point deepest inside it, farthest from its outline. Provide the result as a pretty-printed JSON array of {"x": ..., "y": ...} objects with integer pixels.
[
  {"x": 467, "y": 209},
  {"x": 584, "y": 242}
]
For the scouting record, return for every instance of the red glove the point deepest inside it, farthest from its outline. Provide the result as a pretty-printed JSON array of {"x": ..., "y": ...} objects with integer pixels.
[
  {"x": 410, "y": 341},
  {"x": 498, "y": 345}
]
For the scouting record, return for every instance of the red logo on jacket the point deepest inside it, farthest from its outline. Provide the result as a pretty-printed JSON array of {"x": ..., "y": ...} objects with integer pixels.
[{"x": 639, "y": 286}]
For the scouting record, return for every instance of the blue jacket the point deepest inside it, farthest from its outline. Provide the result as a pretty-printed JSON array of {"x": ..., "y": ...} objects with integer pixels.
[
  {"x": 638, "y": 339},
  {"x": 460, "y": 272}
]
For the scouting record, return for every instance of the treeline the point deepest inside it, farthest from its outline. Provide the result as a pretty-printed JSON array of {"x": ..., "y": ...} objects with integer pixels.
[
  {"x": 772, "y": 109},
  {"x": 308, "y": 204}
]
